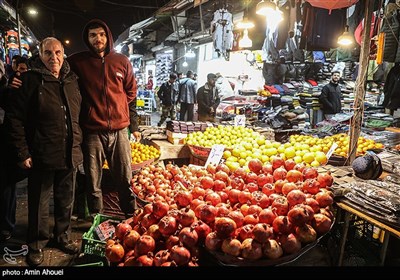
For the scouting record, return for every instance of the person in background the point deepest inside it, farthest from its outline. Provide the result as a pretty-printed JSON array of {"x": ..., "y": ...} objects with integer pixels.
[
  {"x": 108, "y": 87},
  {"x": 11, "y": 69},
  {"x": 134, "y": 122},
  {"x": 208, "y": 99},
  {"x": 167, "y": 98},
  {"x": 179, "y": 76},
  {"x": 43, "y": 119},
  {"x": 331, "y": 96},
  {"x": 195, "y": 76},
  {"x": 187, "y": 96}
]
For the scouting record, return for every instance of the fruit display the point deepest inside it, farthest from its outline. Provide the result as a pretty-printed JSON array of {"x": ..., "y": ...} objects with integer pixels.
[
  {"x": 140, "y": 153},
  {"x": 341, "y": 139},
  {"x": 268, "y": 213}
]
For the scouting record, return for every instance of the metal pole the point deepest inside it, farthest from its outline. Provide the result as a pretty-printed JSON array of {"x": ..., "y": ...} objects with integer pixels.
[
  {"x": 356, "y": 121},
  {"x": 18, "y": 27}
]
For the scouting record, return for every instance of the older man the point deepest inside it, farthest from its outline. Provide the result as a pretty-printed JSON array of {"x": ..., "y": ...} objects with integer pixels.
[{"x": 44, "y": 130}]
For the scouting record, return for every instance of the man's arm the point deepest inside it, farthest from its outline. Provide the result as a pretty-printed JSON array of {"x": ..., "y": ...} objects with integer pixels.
[
  {"x": 134, "y": 126},
  {"x": 130, "y": 85}
]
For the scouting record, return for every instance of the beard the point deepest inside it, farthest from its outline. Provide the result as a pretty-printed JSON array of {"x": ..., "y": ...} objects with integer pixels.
[{"x": 99, "y": 49}]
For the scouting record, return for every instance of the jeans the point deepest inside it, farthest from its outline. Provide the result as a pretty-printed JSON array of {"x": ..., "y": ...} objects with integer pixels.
[
  {"x": 186, "y": 107},
  {"x": 115, "y": 147}
]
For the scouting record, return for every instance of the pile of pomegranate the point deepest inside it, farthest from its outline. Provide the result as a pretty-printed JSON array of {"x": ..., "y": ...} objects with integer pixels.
[{"x": 272, "y": 211}]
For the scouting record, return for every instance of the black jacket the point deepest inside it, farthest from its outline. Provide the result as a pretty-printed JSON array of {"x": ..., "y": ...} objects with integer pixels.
[
  {"x": 330, "y": 98},
  {"x": 206, "y": 100},
  {"x": 43, "y": 118},
  {"x": 166, "y": 94}
]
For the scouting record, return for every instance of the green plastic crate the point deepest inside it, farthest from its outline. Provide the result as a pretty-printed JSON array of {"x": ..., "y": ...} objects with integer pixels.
[{"x": 91, "y": 245}]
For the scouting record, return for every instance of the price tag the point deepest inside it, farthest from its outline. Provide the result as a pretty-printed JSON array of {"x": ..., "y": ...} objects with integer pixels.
[
  {"x": 240, "y": 120},
  {"x": 139, "y": 102},
  {"x": 331, "y": 150},
  {"x": 216, "y": 154}
]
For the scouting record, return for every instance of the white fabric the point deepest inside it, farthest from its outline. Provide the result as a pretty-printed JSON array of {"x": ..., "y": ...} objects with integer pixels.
[{"x": 222, "y": 30}]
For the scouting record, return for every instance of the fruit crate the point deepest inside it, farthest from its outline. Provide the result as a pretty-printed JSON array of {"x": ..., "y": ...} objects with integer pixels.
[{"x": 90, "y": 244}]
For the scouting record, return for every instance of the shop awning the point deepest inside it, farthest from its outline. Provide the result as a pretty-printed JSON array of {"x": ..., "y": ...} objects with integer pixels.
[{"x": 134, "y": 30}]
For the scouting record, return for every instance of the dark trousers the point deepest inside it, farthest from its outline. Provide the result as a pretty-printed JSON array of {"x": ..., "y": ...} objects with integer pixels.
[
  {"x": 186, "y": 107},
  {"x": 115, "y": 147},
  {"x": 8, "y": 205},
  {"x": 40, "y": 184}
]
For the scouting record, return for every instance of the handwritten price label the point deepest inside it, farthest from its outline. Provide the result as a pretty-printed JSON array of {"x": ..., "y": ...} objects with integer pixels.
[
  {"x": 240, "y": 120},
  {"x": 331, "y": 150},
  {"x": 216, "y": 154}
]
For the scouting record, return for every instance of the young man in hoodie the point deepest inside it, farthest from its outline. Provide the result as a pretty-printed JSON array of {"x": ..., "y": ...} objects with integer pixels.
[
  {"x": 108, "y": 86},
  {"x": 331, "y": 96}
]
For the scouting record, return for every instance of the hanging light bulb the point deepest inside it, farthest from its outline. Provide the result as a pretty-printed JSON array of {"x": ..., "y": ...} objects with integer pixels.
[
  {"x": 345, "y": 39},
  {"x": 245, "y": 23},
  {"x": 190, "y": 54},
  {"x": 245, "y": 42},
  {"x": 185, "y": 64},
  {"x": 265, "y": 7}
]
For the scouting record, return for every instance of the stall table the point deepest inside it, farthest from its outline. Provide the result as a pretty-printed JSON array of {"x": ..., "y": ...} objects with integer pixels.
[
  {"x": 349, "y": 210},
  {"x": 171, "y": 151}
]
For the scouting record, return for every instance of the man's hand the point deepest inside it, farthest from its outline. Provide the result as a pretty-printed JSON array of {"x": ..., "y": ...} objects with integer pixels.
[
  {"x": 15, "y": 82},
  {"x": 137, "y": 135},
  {"x": 26, "y": 164}
]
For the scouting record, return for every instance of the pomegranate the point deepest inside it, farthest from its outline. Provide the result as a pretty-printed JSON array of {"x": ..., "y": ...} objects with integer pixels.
[
  {"x": 207, "y": 182},
  {"x": 131, "y": 238},
  {"x": 251, "y": 249},
  {"x": 213, "y": 198},
  {"x": 254, "y": 209},
  {"x": 213, "y": 242},
  {"x": 278, "y": 185},
  {"x": 310, "y": 173},
  {"x": 299, "y": 166},
  {"x": 186, "y": 216},
  {"x": 231, "y": 246},
  {"x": 208, "y": 213},
  {"x": 251, "y": 177},
  {"x": 294, "y": 176},
  {"x": 277, "y": 162},
  {"x": 198, "y": 192},
  {"x": 224, "y": 227},
  {"x": 288, "y": 187},
  {"x": 325, "y": 179},
  {"x": 280, "y": 206},
  {"x": 272, "y": 249},
  {"x": 267, "y": 168},
  {"x": 282, "y": 225},
  {"x": 160, "y": 208},
  {"x": 327, "y": 212},
  {"x": 219, "y": 185},
  {"x": 223, "y": 176},
  {"x": 313, "y": 204},
  {"x": 306, "y": 234},
  {"x": 311, "y": 186},
  {"x": 290, "y": 244},
  {"x": 244, "y": 196},
  {"x": 237, "y": 183},
  {"x": 295, "y": 197},
  {"x": 262, "y": 232},
  {"x": 115, "y": 252},
  {"x": 233, "y": 195},
  {"x": 144, "y": 244},
  {"x": 171, "y": 241},
  {"x": 154, "y": 231},
  {"x": 289, "y": 164},
  {"x": 161, "y": 257},
  {"x": 321, "y": 223},
  {"x": 202, "y": 229},
  {"x": 255, "y": 165},
  {"x": 183, "y": 198},
  {"x": 266, "y": 216},
  {"x": 251, "y": 187},
  {"x": 144, "y": 260},
  {"x": 268, "y": 189},
  {"x": 324, "y": 198},
  {"x": 121, "y": 230},
  {"x": 263, "y": 179},
  {"x": 244, "y": 209},
  {"x": 237, "y": 216},
  {"x": 246, "y": 231},
  {"x": 279, "y": 174},
  {"x": 300, "y": 214},
  {"x": 188, "y": 236},
  {"x": 223, "y": 167},
  {"x": 250, "y": 219},
  {"x": 222, "y": 210},
  {"x": 167, "y": 225},
  {"x": 148, "y": 220},
  {"x": 180, "y": 255},
  {"x": 240, "y": 172}
]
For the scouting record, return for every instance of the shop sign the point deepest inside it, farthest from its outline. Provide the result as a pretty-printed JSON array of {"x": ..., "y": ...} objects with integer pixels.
[
  {"x": 331, "y": 150},
  {"x": 216, "y": 154},
  {"x": 240, "y": 120}
]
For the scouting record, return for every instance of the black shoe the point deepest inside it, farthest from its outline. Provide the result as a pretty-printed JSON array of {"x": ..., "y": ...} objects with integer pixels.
[
  {"x": 35, "y": 257},
  {"x": 69, "y": 247},
  {"x": 4, "y": 236}
]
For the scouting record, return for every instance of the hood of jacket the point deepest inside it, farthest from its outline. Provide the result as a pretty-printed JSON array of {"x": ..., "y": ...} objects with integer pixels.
[
  {"x": 110, "y": 40},
  {"x": 36, "y": 64}
]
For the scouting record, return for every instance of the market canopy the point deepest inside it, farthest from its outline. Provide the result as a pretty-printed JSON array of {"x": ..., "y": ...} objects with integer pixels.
[{"x": 332, "y": 4}]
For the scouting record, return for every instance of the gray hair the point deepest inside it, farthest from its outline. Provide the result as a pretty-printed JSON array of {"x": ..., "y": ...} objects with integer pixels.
[{"x": 49, "y": 39}]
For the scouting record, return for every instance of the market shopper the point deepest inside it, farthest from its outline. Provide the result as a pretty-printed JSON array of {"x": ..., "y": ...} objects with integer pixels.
[
  {"x": 187, "y": 96},
  {"x": 208, "y": 99},
  {"x": 43, "y": 119},
  {"x": 330, "y": 97},
  {"x": 108, "y": 86},
  {"x": 166, "y": 94}
]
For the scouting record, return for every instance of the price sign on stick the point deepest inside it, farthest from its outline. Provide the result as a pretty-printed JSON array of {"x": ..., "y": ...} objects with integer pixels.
[
  {"x": 240, "y": 120},
  {"x": 215, "y": 155},
  {"x": 331, "y": 150}
]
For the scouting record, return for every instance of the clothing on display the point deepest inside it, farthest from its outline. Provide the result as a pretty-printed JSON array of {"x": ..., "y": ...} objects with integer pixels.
[{"x": 222, "y": 31}]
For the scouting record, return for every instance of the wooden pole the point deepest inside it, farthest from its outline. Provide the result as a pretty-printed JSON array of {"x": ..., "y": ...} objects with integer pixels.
[{"x": 356, "y": 120}]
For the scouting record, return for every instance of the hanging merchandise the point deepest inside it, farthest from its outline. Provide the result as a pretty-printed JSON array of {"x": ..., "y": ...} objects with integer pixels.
[{"x": 222, "y": 31}]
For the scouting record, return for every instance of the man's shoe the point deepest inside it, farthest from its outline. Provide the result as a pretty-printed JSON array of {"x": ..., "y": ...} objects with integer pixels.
[
  {"x": 35, "y": 257},
  {"x": 69, "y": 247},
  {"x": 4, "y": 236}
]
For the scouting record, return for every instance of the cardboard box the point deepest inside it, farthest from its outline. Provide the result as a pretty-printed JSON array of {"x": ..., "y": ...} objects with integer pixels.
[
  {"x": 176, "y": 135},
  {"x": 176, "y": 141}
]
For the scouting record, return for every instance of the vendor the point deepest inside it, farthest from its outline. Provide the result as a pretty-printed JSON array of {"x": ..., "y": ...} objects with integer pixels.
[
  {"x": 208, "y": 99},
  {"x": 330, "y": 97}
]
